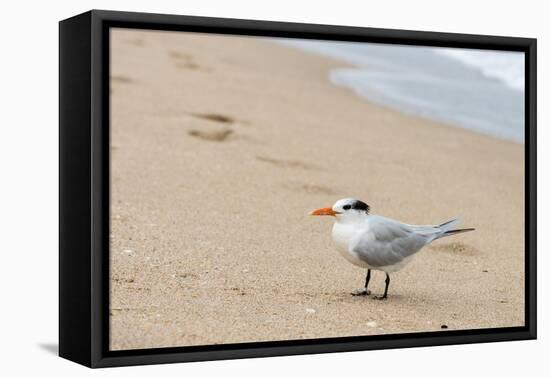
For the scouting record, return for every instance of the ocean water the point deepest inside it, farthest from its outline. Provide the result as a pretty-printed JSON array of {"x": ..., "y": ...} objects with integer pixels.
[{"x": 480, "y": 90}]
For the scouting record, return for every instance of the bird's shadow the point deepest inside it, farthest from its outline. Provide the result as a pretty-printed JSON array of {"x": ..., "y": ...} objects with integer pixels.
[
  {"x": 395, "y": 298},
  {"x": 51, "y": 348}
]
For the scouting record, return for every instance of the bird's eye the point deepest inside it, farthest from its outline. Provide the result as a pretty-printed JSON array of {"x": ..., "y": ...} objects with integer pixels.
[{"x": 346, "y": 207}]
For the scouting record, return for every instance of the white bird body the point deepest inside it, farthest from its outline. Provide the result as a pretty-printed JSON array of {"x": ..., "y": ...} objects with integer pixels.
[{"x": 379, "y": 243}]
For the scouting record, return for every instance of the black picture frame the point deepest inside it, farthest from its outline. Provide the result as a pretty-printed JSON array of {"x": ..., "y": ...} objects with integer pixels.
[{"x": 84, "y": 188}]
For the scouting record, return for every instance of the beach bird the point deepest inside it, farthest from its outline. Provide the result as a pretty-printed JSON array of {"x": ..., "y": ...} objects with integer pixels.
[{"x": 378, "y": 243}]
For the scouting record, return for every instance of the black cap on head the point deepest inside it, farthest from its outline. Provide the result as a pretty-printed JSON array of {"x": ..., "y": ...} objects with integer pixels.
[{"x": 360, "y": 205}]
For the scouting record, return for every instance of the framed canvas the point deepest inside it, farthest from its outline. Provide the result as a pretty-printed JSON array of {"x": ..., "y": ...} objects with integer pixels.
[{"x": 234, "y": 188}]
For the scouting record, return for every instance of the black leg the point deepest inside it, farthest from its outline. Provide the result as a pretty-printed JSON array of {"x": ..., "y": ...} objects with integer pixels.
[
  {"x": 387, "y": 286},
  {"x": 385, "y": 296},
  {"x": 364, "y": 291}
]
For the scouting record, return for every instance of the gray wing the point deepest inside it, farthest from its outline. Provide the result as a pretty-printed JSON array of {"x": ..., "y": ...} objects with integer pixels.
[{"x": 388, "y": 242}]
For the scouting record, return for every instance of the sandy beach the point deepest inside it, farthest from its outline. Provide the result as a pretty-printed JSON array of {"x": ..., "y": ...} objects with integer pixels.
[{"x": 220, "y": 146}]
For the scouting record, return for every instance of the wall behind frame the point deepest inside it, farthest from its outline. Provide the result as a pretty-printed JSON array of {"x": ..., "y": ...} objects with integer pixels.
[{"x": 29, "y": 195}]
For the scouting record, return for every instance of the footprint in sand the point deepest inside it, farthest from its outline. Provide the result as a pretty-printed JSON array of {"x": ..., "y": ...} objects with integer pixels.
[
  {"x": 219, "y": 135},
  {"x": 212, "y": 135},
  {"x": 456, "y": 248},
  {"x": 215, "y": 117},
  {"x": 121, "y": 79},
  {"x": 282, "y": 163},
  {"x": 186, "y": 61},
  {"x": 118, "y": 79}
]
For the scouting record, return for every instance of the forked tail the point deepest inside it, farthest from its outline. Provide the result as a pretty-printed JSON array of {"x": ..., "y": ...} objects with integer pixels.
[{"x": 448, "y": 230}]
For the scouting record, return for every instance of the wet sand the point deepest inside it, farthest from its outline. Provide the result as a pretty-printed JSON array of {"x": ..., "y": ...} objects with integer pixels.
[{"x": 220, "y": 146}]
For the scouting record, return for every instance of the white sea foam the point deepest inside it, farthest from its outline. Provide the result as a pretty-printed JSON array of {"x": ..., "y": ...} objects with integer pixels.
[
  {"x": 480, "y": 90},
  {"x": 507, "y": 66}
]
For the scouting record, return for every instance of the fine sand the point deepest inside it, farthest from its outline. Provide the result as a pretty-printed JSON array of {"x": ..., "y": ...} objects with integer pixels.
[{"x": 220, "y": 146}]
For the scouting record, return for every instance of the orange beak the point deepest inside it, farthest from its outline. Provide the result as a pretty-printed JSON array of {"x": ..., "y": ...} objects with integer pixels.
[{"x": 324, "y": 211}]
